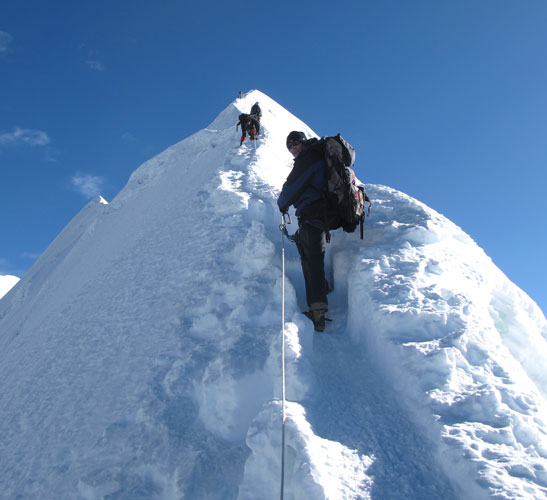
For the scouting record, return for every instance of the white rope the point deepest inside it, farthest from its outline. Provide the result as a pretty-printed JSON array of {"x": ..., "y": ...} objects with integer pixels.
[{"x": 283, "y": 357}]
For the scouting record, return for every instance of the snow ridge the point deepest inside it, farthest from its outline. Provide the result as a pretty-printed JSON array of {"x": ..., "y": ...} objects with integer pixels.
[{"x": 140, "y": 356}]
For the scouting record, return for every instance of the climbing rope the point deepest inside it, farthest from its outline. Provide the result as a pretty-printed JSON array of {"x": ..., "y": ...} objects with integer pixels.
[{"x": 286, "y": 219}]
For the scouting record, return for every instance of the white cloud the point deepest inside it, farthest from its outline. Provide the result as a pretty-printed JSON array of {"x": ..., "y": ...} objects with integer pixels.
[
  {"x": 5, "y": 41},
  {"x": 95, "y": 65},
  {"x": 88, "y": 185},
  {"x": 24, "y": 136}
]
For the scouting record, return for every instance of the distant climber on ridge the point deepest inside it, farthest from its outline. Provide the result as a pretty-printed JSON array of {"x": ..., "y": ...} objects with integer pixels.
[
  {"x": 255, "y": 110},
  {"x": 256, "y": 113},
  {"x": 305, "y": 188}
]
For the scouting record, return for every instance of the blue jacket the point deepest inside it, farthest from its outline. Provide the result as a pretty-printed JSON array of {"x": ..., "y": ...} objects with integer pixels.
[{"x": 305, "y": 186}]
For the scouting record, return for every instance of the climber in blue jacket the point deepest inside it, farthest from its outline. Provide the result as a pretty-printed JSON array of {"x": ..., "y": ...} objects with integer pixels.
[{"x": 305, "y": 189}]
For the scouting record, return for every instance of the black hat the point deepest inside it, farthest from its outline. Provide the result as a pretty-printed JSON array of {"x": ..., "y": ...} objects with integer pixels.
[{"x": 294, "y": 137}]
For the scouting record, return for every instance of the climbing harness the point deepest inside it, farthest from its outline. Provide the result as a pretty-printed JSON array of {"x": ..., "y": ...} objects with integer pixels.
[{"x": 285, "y": 219}]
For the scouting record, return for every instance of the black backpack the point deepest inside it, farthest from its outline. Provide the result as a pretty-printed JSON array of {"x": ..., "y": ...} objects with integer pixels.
[
  {"x": 243, "y": 121},
  {"x": 345, "y": 199}
]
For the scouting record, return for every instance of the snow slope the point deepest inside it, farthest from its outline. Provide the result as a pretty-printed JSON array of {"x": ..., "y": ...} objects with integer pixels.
[
  {"x": 140, "y": 356},
  {"x": 7, "y": 282}
]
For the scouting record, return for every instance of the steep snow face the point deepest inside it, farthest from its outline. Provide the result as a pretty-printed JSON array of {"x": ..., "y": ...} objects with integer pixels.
[
  {"x": 459, "y": 342},
  {"x": 141, "y": 356}
]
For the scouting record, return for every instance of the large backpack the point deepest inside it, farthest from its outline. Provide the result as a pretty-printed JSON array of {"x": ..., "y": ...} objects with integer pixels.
[
  {"x": 243, "y": 121},
  {"x": 345, "y": 199}
]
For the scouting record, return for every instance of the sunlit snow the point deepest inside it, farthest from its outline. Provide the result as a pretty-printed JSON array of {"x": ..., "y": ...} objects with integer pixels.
[
  {"x": 140, "y": 357},
  {"x": 7, "y": 282}
]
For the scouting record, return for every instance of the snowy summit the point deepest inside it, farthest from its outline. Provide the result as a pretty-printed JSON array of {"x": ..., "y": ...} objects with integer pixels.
[{"x": 140, "y": 357}]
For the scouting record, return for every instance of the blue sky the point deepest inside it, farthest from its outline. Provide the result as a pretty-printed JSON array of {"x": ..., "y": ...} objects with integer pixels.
[{"x": 444, "y": 100}]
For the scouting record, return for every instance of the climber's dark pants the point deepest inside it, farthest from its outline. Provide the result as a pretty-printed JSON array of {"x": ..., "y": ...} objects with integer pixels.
[{"x": 311, "y": 242}]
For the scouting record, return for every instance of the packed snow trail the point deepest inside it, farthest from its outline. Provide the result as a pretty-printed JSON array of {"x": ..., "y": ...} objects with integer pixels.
[
  {"x": 140, "y": 356},
  {"x": 350, "y": 404},
  {"x": 355, "y": 407}
]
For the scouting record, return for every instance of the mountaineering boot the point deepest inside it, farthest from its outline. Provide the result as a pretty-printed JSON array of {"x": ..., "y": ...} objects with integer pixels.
[{"x": 318, "y": 318}]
